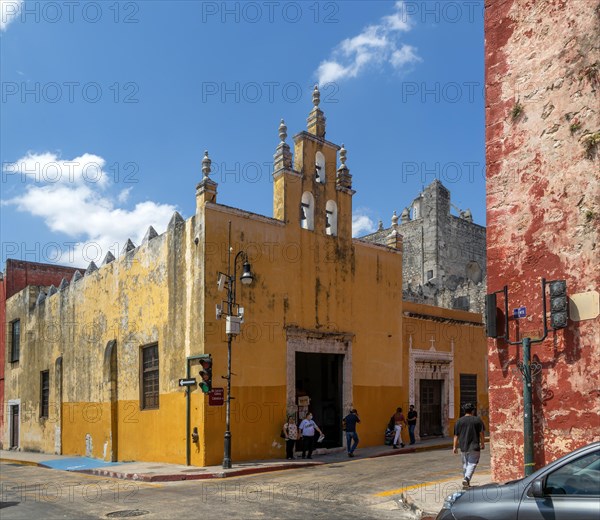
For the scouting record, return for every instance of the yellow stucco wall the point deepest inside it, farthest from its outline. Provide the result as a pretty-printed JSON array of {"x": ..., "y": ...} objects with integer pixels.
[
  {"x": 310, "y": 291},
  {"x": 426, "y": 327}
]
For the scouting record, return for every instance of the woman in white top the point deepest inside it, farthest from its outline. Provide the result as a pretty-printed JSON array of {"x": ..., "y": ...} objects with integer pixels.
[{"x": 307, "y": 428}]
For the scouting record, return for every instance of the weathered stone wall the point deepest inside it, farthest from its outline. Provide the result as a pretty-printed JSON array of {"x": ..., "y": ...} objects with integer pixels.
[
  {"x": 543, "y": 207},
  {"x": 444, "y": 256}
]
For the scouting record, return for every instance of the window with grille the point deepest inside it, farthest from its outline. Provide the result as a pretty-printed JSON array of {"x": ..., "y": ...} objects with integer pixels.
[
  {"x": 44, "y": 393},
  {"x": 468, "y": 391},
  {"x": 15, "y": 340},
  {"x": 149, "y": 377}
]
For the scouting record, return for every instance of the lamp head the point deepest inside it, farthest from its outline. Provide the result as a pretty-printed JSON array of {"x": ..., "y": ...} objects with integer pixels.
[{"x": 247, "y": 276}]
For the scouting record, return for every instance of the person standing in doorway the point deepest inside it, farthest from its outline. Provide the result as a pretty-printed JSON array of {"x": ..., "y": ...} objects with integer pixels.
[
  {"x": 412, "y": 422},
  {"x": 399, "y": 422},
  {"x": 307, "y": 428},
  {"x": 290, "y": 430},
  {"x": 350, "y": 422},
  {"x": 469, "y": 436}
]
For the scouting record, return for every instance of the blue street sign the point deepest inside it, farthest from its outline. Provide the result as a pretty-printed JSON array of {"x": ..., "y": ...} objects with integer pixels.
[{"x": 521, "y": 312}]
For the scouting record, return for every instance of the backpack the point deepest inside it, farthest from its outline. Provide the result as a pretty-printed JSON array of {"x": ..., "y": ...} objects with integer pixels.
[{"x": 392, "y": 423}]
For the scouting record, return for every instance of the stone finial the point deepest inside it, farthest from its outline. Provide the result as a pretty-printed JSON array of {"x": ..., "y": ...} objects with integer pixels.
[
  {"x": 282, "y": 160},
  {"x": 108, "y": 258},
  {"x": 91, "y": 268},
  {"x": 206, "y": 162},
  {"x": 343, "y": 153},
  {"x": 405, "y": 217},
  {"x": 206, "y": 190},
  {"x": 394, "y": 220},
  {"x": 52, "y": 290},
  {"x": 316, "y": 96},
  {"x": 282, "y": 131},
  {"x": 467, "y": 215},
  {"x": 63, "y": 284},
  {"x": 41, "y": 297},
  {"x": 316, "y": 119},
  {"x": 380, "y": 225},
  {"x": 76, "y": 276},
  {"x": 150, "y": 234},
  {"x": 344, "y": 179},
  {"x": 129, "y": 246}
]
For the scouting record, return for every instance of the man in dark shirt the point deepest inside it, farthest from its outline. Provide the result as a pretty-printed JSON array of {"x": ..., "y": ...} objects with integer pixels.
[
  {"x": 350, "y": 421},
  {"x": 412, "y": 422},
  {"x": 469, "y": 436}
]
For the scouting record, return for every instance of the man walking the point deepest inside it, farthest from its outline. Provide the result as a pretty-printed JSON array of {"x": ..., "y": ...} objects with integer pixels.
[
  {"x": 350, "y": 426},
  {"x": 469, "y": 436},
  {"x": 412, "y": 422}
]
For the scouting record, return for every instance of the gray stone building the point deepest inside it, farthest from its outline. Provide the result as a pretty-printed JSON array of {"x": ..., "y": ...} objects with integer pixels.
[{"x": 444, "y": 261}]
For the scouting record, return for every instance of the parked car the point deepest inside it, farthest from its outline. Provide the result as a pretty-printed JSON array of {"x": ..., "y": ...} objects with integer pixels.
[{"x": 566, "y": 489}]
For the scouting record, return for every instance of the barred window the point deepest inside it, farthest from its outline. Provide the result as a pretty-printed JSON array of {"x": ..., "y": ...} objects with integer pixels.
[
  {"x": 15, "y": 340},
  {"x": 149, "y": 377},
  {"x": 44, "y": 393},
  {"x": 468, "y": 391}
]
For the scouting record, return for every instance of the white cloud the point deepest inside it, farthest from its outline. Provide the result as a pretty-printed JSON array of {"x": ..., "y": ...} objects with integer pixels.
[
  {"x": 9, "y": 10},
  {"x": 79, "y": 207},
  {"x": 47, "y": 168},
  {"x": 362, "y": 225},
  {"x": 406, "y": 54},
  {"x": 376, "y": 44}
]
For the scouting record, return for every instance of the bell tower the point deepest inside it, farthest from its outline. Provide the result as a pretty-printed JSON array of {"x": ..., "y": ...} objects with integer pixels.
[{"x": 313, "y": 194}]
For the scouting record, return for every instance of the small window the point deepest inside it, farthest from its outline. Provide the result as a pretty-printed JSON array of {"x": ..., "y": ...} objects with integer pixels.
[
  {"x": 468, "y": 391},
  {"x": 331, "y": 220},
  {"x": 44, "y": 393},
  {"x": 15, "y": 340},
  {"x": 429, "y": 275},
  {"x": 149, "y": 377},
  {"x": 307, "y": 211},
  {"x": 320, "y": 168}
]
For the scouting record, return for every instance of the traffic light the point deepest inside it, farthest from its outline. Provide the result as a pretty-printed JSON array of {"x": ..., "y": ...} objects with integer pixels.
[
  {"x": 491, "y": 313},
  {"x": 559, "y": 306},
  {"x": 206, "y": 374}
]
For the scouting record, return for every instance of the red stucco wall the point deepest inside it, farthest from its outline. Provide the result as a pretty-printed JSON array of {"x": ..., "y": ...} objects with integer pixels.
[
  {"x": 18, "y": 275},
  {"x": 543, "y": 216}
]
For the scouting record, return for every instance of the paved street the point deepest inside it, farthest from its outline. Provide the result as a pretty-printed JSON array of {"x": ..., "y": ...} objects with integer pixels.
[{"x": 360, "y": 488}]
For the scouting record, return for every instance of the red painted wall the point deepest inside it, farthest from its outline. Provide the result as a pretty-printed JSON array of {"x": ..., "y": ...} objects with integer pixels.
[
  {"x": 543, "y": 207},
  {"x": 18, "y": 275}
]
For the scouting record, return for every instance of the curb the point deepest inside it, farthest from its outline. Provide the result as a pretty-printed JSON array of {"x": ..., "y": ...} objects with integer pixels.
[
  {"x": 21, "y": 462},
  {"x": 143, "y": 477}
]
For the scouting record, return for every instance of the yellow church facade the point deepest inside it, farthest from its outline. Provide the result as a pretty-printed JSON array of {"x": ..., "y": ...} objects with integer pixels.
[{"x": 105, "y": 359}]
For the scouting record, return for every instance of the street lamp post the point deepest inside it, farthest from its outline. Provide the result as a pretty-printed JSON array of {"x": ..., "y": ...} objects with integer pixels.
[{"x": 233, "y": 322}]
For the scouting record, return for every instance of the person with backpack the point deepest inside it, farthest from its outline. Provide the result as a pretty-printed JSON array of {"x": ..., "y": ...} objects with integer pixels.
[{"x": 349, "y": 424}]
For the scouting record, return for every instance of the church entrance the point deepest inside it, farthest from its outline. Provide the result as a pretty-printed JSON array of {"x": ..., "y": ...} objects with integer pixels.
[
  {"x": 431, "y": 408},
  {"x": 319, "y": 383}
]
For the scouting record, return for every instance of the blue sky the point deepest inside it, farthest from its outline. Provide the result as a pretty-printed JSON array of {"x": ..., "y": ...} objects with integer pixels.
[{"x": 107, "y": 108}]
